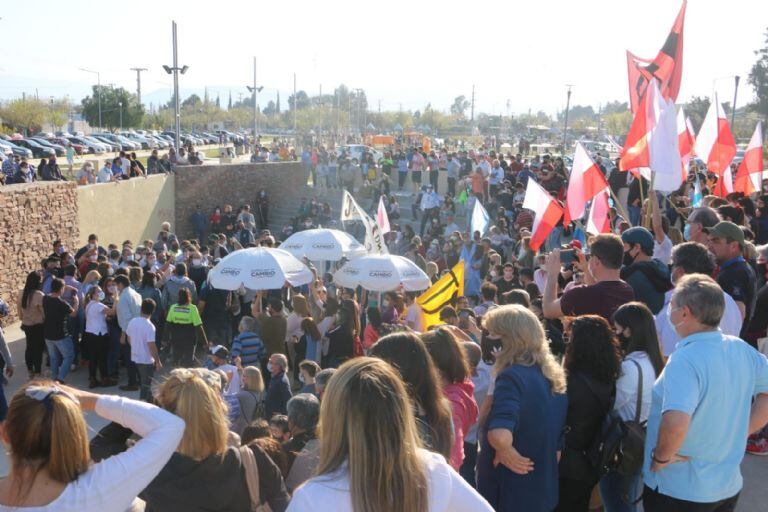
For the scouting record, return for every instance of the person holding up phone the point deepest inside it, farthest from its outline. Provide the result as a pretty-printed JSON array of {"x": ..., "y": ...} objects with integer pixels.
[{"x": 604, "y": 292}]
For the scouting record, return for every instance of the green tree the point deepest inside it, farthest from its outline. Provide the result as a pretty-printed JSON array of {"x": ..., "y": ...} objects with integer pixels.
[
  {"x": 58, "y": 112},
  {"x": 113, "y": 103},
  {"x": 758, "y": 79},
  {"x": 301, "y": 102},
  {"x": 192, "y": 101},
  {"x": 24, "y": 114},
  {"x": 460, "y": 105},
  {"x": 696, "y": 110}
]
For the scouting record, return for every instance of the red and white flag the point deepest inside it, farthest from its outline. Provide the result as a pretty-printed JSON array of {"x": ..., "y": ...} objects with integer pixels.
[
  {"x": 547, "y": 212},
  {"x": 716, "y": 146},
  {"x": 749, "y": 177},
  {"x": 382, "y": 219},
  {"x": 585, "y": 182},
  {"x": 598, "y": 221},
  {"x": 686, "y": 140},
  {"x": 652, "y": 141}
]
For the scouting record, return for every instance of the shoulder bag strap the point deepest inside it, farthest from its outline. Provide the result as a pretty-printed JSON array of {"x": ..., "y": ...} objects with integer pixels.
[
  {"x": 639, "y": 402},
  {"x": 251, "y": 475}
]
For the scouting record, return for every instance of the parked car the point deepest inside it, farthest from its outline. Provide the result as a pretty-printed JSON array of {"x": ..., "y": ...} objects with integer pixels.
[
  {"x": 94, "y": 148},
  {"x": 123, "y": 143},
  {"x": 143, "y": 141},
  {"x": 80, "y": 149},
  {"x": 106, "y": 145},
  {"x": 161, "y": 143},
  {"x": 15, "y": 149},
  {"x": 113, "y": 146},
  {"x": 37, "y": 149},
  {"x": 58, "y": 148}
]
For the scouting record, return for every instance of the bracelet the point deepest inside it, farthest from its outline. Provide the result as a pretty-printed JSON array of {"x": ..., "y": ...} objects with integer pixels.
[{"x": 657, "y": 461}]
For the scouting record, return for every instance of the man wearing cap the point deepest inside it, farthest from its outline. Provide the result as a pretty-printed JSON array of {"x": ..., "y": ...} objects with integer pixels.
[
  {"x": 736, "y": 277},
  {"x": 219, "y": 357},
  {"x": 648, "y": 277}
]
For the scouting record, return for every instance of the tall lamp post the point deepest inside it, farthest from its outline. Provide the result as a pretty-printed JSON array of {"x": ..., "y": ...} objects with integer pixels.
[
  {"x": 255, "y": 90},
  {"x": 175, "y": 70},
  {"x": 565, "y": 129},
  {"x": 120, "y": 105},
  {"x": 98, "y": 89}
]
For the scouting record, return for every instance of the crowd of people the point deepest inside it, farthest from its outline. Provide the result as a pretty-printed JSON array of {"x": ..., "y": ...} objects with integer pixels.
[{"x": 620, "y": 367}]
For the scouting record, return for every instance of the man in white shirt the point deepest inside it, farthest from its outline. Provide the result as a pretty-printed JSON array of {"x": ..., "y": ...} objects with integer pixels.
[
  {"x": 220, "y": 359},
  {"x": 141, "y": 337},
  {"x": 693, "y": 258},
  {"x": 105, "y": 174},
  {"x": 128, "y": 308},
  {"x": 495, "y": 178}
]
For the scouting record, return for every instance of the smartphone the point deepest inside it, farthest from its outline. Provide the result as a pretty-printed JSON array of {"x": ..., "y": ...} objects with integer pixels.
[{"x": 567, "y": 256}]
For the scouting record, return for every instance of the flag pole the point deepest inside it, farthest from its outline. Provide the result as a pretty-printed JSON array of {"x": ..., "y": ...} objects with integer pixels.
[
  {"x": 618, "y": 204},
  {"x": 646, "y": 221}
]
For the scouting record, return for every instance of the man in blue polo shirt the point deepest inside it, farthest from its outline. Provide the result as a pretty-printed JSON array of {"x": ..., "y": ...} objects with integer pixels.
[{"x": 702, "y": 409}]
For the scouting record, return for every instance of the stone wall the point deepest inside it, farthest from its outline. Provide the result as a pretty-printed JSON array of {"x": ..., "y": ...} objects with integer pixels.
[
  {"x": 126, "y": 210},
  {"x": 33, "y": 216},
  {"x": 212, "y": 185}
]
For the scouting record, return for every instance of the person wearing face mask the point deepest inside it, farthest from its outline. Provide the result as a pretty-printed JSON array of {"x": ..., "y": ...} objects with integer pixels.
[
  {"x": 697, "y": 224},
  {"x": 604, "y": 292},
  {"x": 96, "y": 337},
  {"x": 693, "y": 258},
  {"x": 642, "y": 363},
  {"x": 177, "y": 281},
  {"x": 278, "y": 389},
  {"x": 648, "y": 277},
  {"x": 700, "y": 414},
  {"x": 198, "y": 270}
]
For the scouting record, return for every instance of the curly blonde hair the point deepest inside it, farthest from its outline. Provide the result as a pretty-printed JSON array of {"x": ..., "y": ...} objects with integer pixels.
[{"x": 523, "y": 342}]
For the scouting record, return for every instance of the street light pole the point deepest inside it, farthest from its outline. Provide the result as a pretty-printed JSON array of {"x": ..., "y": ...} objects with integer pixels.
[
  {"x": 120, "y": 105},
  {"x": 98, "y": 90},
  {"x": 255, "y": 90},
  {"x": 733, "y": 107},
  {"x": 567, "y": 107},
  {"x": 176, "y": 70}
]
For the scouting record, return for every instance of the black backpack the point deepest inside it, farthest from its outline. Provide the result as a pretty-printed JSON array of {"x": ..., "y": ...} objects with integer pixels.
[{"x": 619, "y": 444}]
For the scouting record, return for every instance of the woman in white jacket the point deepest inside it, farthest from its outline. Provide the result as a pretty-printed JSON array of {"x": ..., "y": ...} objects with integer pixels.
[
  {"x": 370, "y": 455},
  {"x": 636, "y": 329},
  {"x": 51, "y": 468}
]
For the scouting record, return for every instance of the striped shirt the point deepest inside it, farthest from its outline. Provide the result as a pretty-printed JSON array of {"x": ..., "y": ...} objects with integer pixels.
[{"x": 249, "y": 347}]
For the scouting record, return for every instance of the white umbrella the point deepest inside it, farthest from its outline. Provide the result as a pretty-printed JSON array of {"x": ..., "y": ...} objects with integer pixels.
[
  {"x": 323, "y": 245},
  {"x": 381, "y": 273},
  {"x": 259, "y": 268}
]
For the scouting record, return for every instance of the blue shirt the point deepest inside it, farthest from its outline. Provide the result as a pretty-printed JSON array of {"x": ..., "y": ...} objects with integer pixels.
[
  {"x": 711, "y": 377},
  {"x": 524, "y": 404}
]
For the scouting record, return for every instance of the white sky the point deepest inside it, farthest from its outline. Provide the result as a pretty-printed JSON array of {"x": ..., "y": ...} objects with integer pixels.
[{"x": 400, "y": 52}]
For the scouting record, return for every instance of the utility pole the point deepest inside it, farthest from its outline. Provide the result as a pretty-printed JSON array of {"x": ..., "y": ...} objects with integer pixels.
[
  {"x": 294, "y": 106},
  {"x": 138, "y": 82},
  {"x": 379, "y": 106},
  {"x": 255, "y": 90},
  {"x": 733, "y": 107},
  {"x": 567, "y": 107},
  {"x": 472, "y": 108},
  {"x": 175, "y": 70}
]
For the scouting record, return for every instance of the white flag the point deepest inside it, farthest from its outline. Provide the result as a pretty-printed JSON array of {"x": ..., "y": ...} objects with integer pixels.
[
  {"x": 480, "y": 219},
  {"x": 350, "y": 211},
  {"x": 381, "y": 217}
]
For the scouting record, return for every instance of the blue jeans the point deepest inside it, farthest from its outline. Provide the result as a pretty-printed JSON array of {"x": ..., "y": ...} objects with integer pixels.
[
  {"x": 113, "y": 350},
  {"x": 612, "y": 492},
  {"x": 62, "y": 353},
  {"x": 146, "y": 372}
]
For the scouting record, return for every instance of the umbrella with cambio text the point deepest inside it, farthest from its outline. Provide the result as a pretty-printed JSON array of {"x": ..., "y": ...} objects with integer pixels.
[
  {"x": 323, "y": 245},
  {"x": 259, "y": 268},
  {"x": 381, "y": 273}
]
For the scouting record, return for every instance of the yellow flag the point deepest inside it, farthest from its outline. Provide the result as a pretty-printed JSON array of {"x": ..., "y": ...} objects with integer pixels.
[{"x": 441, "y": 294}]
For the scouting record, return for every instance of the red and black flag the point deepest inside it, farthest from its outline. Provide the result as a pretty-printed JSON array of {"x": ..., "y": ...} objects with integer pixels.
[{"x": 667, "y": 67}]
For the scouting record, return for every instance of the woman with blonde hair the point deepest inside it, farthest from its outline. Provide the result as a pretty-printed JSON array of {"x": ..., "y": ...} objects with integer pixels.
[
  {"x": 250, "y": 397},
  {"x": 517, "y": 469},
  {"x": 371, "y": 459},
  {"x": 205, "y": 472},
  {"x": 51, "y": 466},
  {"x": 91, "y": 279}
]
